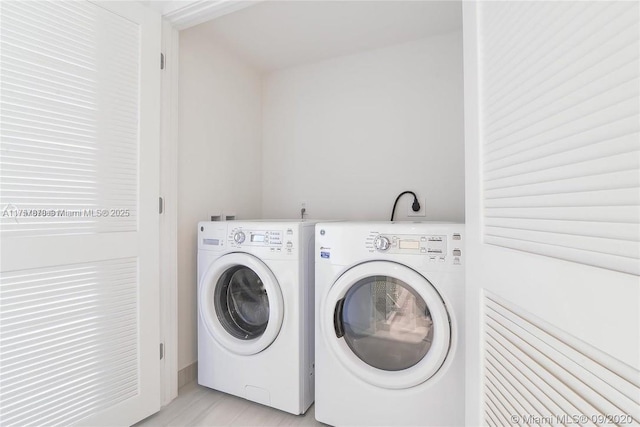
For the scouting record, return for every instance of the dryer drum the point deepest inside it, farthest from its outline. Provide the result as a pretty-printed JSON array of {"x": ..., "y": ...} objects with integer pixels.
[
  {"x": 385, "y": 323},
  {"x": 242, "y": 303}
]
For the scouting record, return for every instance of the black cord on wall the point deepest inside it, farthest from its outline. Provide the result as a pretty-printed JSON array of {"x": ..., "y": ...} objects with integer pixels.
[{"x": 415, "y": 206}]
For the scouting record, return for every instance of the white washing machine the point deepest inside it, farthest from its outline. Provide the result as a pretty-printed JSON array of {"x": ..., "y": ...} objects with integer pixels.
[
  {"x": 256, "y": 311},
  {"x": 389, "y": 316}
]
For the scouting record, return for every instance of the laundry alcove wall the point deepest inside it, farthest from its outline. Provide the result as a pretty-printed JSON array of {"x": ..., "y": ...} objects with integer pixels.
[{"x": 341, "y": 105}]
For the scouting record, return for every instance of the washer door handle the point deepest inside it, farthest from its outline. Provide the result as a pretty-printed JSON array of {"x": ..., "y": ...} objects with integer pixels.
[{"x": 337, "y": 318}]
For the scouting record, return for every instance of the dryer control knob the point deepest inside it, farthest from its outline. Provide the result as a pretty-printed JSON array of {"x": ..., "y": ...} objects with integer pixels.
[
  {"x": 381, "y": 243},
  {"x": 238, "y": 237}
]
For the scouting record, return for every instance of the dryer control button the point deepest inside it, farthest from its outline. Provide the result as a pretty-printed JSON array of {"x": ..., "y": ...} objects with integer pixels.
[
  {"x": 238, "y": 237},
  {"x": 381, "y": 243}
]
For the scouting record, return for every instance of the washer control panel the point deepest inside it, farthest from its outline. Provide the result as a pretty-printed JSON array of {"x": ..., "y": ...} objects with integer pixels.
[
  {"x": 436, "y": 248},
  {"x": 281, "y": 240}
]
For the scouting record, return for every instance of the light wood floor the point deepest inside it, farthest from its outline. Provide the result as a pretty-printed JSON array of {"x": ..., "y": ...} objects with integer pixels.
[{"x": 200, "y": 406}]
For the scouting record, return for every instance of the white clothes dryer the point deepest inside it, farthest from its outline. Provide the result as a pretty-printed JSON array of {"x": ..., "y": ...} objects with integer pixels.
[
  {"x": 256, "y": 311},
  {"x": 389, "y": 316}
]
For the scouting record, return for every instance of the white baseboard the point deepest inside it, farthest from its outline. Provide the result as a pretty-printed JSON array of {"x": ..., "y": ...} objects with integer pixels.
[{"x": 187, "y": 375}]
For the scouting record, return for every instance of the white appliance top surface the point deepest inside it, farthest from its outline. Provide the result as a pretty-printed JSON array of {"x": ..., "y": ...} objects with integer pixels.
[
  {"x": 389, "y": 224},
  {"x": 266, "y": 222}
]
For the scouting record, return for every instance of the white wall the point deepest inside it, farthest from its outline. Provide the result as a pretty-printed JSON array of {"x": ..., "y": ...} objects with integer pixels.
[
  {"x": 219, "y": 161},
  {"x": 348, "y": 134}
]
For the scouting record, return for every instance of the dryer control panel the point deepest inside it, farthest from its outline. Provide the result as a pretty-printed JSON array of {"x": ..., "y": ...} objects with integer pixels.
[{"x": 437, "y": 248}]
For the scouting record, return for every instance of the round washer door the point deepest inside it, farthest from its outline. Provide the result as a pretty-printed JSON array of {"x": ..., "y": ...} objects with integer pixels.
[
  {"x": 241, "y": 303},
  {"x": 387, "y": 324}
]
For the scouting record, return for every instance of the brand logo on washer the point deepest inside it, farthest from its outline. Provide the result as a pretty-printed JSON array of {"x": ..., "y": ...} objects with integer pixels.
[{"x": 324, "y": 254}]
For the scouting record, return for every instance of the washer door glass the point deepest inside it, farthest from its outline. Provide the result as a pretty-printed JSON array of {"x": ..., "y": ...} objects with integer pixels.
[
  {"x": 386, "y": 323},
  {"x": 241, "y": 302}
]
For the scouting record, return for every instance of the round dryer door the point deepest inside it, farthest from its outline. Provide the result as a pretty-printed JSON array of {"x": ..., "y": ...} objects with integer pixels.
[
  {"x": 387, "y": 324},
  {"x": 241, "y": 303}
]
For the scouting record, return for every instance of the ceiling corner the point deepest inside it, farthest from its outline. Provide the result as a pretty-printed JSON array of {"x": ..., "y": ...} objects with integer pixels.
[{"x": 186, "y": 14}]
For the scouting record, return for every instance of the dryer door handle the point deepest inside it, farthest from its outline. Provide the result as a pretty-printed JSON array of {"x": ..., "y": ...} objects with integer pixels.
[{"x": 338, "y": 326}]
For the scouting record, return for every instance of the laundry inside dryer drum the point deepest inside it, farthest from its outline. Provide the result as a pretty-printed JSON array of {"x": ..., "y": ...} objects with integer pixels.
[
  {"x": 241, "y": 302},
  {"x": 386, "y": 323}
]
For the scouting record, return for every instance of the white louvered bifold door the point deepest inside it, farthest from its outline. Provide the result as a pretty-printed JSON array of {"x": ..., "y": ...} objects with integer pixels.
[
  {"x": 79, "y": 127},
  {"x": 562, "y": 133},
  {"x": 552, "y": 129}
]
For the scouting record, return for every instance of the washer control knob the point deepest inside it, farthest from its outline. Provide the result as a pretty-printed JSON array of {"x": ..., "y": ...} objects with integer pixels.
[
  {"x": 238, "y": 237},
  {"x": 381, "y": 243}
]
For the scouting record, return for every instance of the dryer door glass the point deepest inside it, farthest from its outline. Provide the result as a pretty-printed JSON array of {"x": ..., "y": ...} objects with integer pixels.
[
  {"x": 386, "y": 323},
  {"x": 241, "y": 302}
]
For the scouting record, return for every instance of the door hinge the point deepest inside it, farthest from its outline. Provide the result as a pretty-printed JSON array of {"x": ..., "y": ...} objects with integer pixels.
[
  {"x": 161, "y": 350},
  {"x": 162, "y": 61},
  {"x": 160, "y": 205}
]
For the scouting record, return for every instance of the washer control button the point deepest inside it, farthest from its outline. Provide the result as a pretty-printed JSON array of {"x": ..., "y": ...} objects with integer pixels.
[
  {"x": 239, "y": 237},
  {"x": 381, "y": 243}
]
